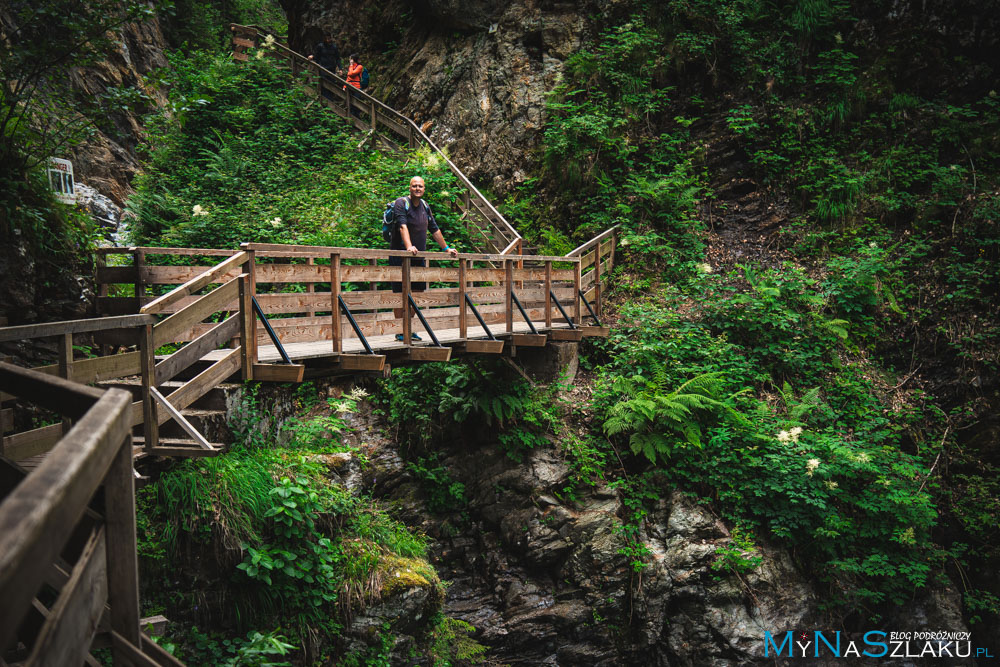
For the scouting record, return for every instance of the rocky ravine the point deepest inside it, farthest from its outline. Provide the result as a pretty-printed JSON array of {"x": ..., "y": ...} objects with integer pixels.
[{"x": 544, "y": 582}]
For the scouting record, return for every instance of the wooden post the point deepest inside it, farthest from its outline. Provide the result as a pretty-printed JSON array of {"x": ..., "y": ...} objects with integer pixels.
[
  {"x": 250, "y": 268},
  {"x": 311, "y": 288},
  {"x": 463, "y": 325},
  {"x": 66, "y": 369},
  {"x": 577, "y": 313},
  {"x": 349, "y": 105},
  {"x": 409, "y": 136},
  {"x": 611, "y": 264},
  {"x": 120, "y": 539},
  {"x": 406, "y": 300},
  {"x": 335, "y": 301},
  {"x": 374, "y": 118},
  {"x": 508, "y": 266},
  {"x": 597, "y": 278},
  {"x": 246, "y": 331},
  {"x": 548, "y": 294},
  {"x": 147, "y": 362},
  {"x": 373, "y": 286},
  {"x": 139, "y": 261},
  {"x": 102, "y": 291}
]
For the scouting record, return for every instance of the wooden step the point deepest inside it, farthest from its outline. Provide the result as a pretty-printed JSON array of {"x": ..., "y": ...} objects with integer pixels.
[{"x": 180, "y": 447}]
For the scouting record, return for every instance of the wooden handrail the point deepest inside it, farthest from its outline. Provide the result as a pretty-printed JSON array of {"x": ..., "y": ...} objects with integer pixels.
[
  {"x": 38, "y": 516},
  {"x": 26, "y": 331},
  {"x": 597, "y": 239},
  {"x": 195, "y": 284},
  {"x": 281, "y": 250}
]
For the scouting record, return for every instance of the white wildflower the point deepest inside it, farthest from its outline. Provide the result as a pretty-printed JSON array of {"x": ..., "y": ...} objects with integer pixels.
[
  {"x": 705, "y": 267},
  {"x": 197, "y": 210},
  {"x": 343, "y": 407},
  {"x": 811, "y": 466},
  {"x": 358, "y": 393},
  {"x": 269, "y": 42},
  {"x": 276, "y": 222},
  {"x": 259, "y": 55},
  {"x": 863, "y": 457},
  {"x": 784, "y": 436},
  {"x": 831, "y": 485},
  {"x": 795, "y": 433},
  {"x": 873, "y": 244}
]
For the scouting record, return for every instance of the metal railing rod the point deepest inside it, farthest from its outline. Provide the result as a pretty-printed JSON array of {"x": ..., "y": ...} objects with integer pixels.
[
  {"x": 517, "y": 302},
  {"x": 566, "y": 317},
  {"x": 423, "y": 321},
  {"x": 354, "y": 325},
  {"x": 479, "y": 317},
  {"x": 270, "y": 332},
  {"x": 589, "y": 309}
]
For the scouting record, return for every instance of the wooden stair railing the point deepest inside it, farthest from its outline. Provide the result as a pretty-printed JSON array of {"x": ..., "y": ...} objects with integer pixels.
[
  {"x": 483, "y": 220},
  {"x": 57, "y": 531},
  {"x": 232, "y": 297},
  {"x": 597, "y": 258}
]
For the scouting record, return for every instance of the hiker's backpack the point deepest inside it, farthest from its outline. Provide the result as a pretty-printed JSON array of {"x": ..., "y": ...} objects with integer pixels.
[
  {"x": 364, "y": 78},
  {"x": 389, "y": 218}
]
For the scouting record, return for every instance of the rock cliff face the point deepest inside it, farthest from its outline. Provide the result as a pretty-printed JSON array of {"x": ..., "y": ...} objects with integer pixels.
[
  {"x": 477, "y": 71},
  {"x": 546, "y": 582},
  {"x": 107, "y": 162}
]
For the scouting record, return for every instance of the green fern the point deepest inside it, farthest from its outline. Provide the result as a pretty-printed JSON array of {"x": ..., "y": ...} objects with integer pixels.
[{"x": 660, "y": 421}]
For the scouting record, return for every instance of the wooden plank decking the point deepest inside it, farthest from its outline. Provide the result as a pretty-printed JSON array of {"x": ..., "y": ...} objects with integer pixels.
[{"x": 382, "y": 344}]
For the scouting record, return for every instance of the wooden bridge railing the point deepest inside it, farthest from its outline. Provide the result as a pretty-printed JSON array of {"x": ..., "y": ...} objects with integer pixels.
[
  {"x": 26, "y": 444},
  {"x": 597, "y": 258},
  {"x": 68, "y": 566},
  {"x": 486, "y": 226}
]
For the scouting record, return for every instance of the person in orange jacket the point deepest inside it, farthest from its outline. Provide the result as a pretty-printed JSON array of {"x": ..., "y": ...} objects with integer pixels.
[{"x": 354, "y": 71}]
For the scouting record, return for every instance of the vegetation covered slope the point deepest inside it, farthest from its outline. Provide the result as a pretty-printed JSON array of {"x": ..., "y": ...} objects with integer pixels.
[{"x": 832, "y": 389}]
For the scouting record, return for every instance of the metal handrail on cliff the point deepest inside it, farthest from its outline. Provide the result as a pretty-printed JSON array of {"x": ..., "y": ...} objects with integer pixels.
[{"x": 512, "y": 242}]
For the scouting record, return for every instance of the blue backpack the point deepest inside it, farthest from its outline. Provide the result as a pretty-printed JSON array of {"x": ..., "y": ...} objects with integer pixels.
[
  {"x": 389, "y": 218},
  {"x": 364, "y": 78}
]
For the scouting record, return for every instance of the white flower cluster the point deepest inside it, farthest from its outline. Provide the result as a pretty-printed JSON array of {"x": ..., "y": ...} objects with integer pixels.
[
  {"x": 357, "y": 394},
  {"x": 276, "y": 222},
  {"x": 705, "y": 267},
  {"x": 197, "y": 210},
  {"x": 791, "y": 435},
  {"x": 811, "y": 466}
]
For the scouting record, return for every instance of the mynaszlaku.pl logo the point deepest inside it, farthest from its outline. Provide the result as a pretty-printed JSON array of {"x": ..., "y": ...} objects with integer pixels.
[{"x": 872, "y": 644}]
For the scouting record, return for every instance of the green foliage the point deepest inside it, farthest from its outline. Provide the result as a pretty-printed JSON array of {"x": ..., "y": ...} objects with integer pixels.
[
  {"x": 740, "y": 555},
  {"x": 822, "y": 471},
  {"x": 781, "y": 320},
  {"x": 288, "y": 545},
  {"x": 212, "y": 648},
  {"x": 245, "y": 155},
  {"x": 425, "y": 402},
  {"x": 662, "y": 421},
  {"x": 444, "y": 494}
]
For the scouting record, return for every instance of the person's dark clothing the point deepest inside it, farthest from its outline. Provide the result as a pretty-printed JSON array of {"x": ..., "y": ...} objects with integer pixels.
[
  {"x": 420, "y": 225},
  {"x": 327, "y": 55}
]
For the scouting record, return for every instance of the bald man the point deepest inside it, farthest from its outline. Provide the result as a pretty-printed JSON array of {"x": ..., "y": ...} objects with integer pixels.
[{"x": 414, "y": 220}]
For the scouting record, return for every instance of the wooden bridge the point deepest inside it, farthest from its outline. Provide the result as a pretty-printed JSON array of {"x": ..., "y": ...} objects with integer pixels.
[{"x": 175, "y": 323}]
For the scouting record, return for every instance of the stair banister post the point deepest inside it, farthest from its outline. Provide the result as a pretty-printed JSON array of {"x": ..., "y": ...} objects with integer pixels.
[
  {"x": 250, "y": 268},
  {"x": 147, "y": 364},
  {"x": 508, "y": 266},
  {"x": 548, "y": 294},
  {"x": 577, "y": 279},
  {"x": 405, "y": 293},
  {"x": 335, "y": 301},
  {"x": 246, "y": 329},
  {"x": 463, "y": 328}
]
